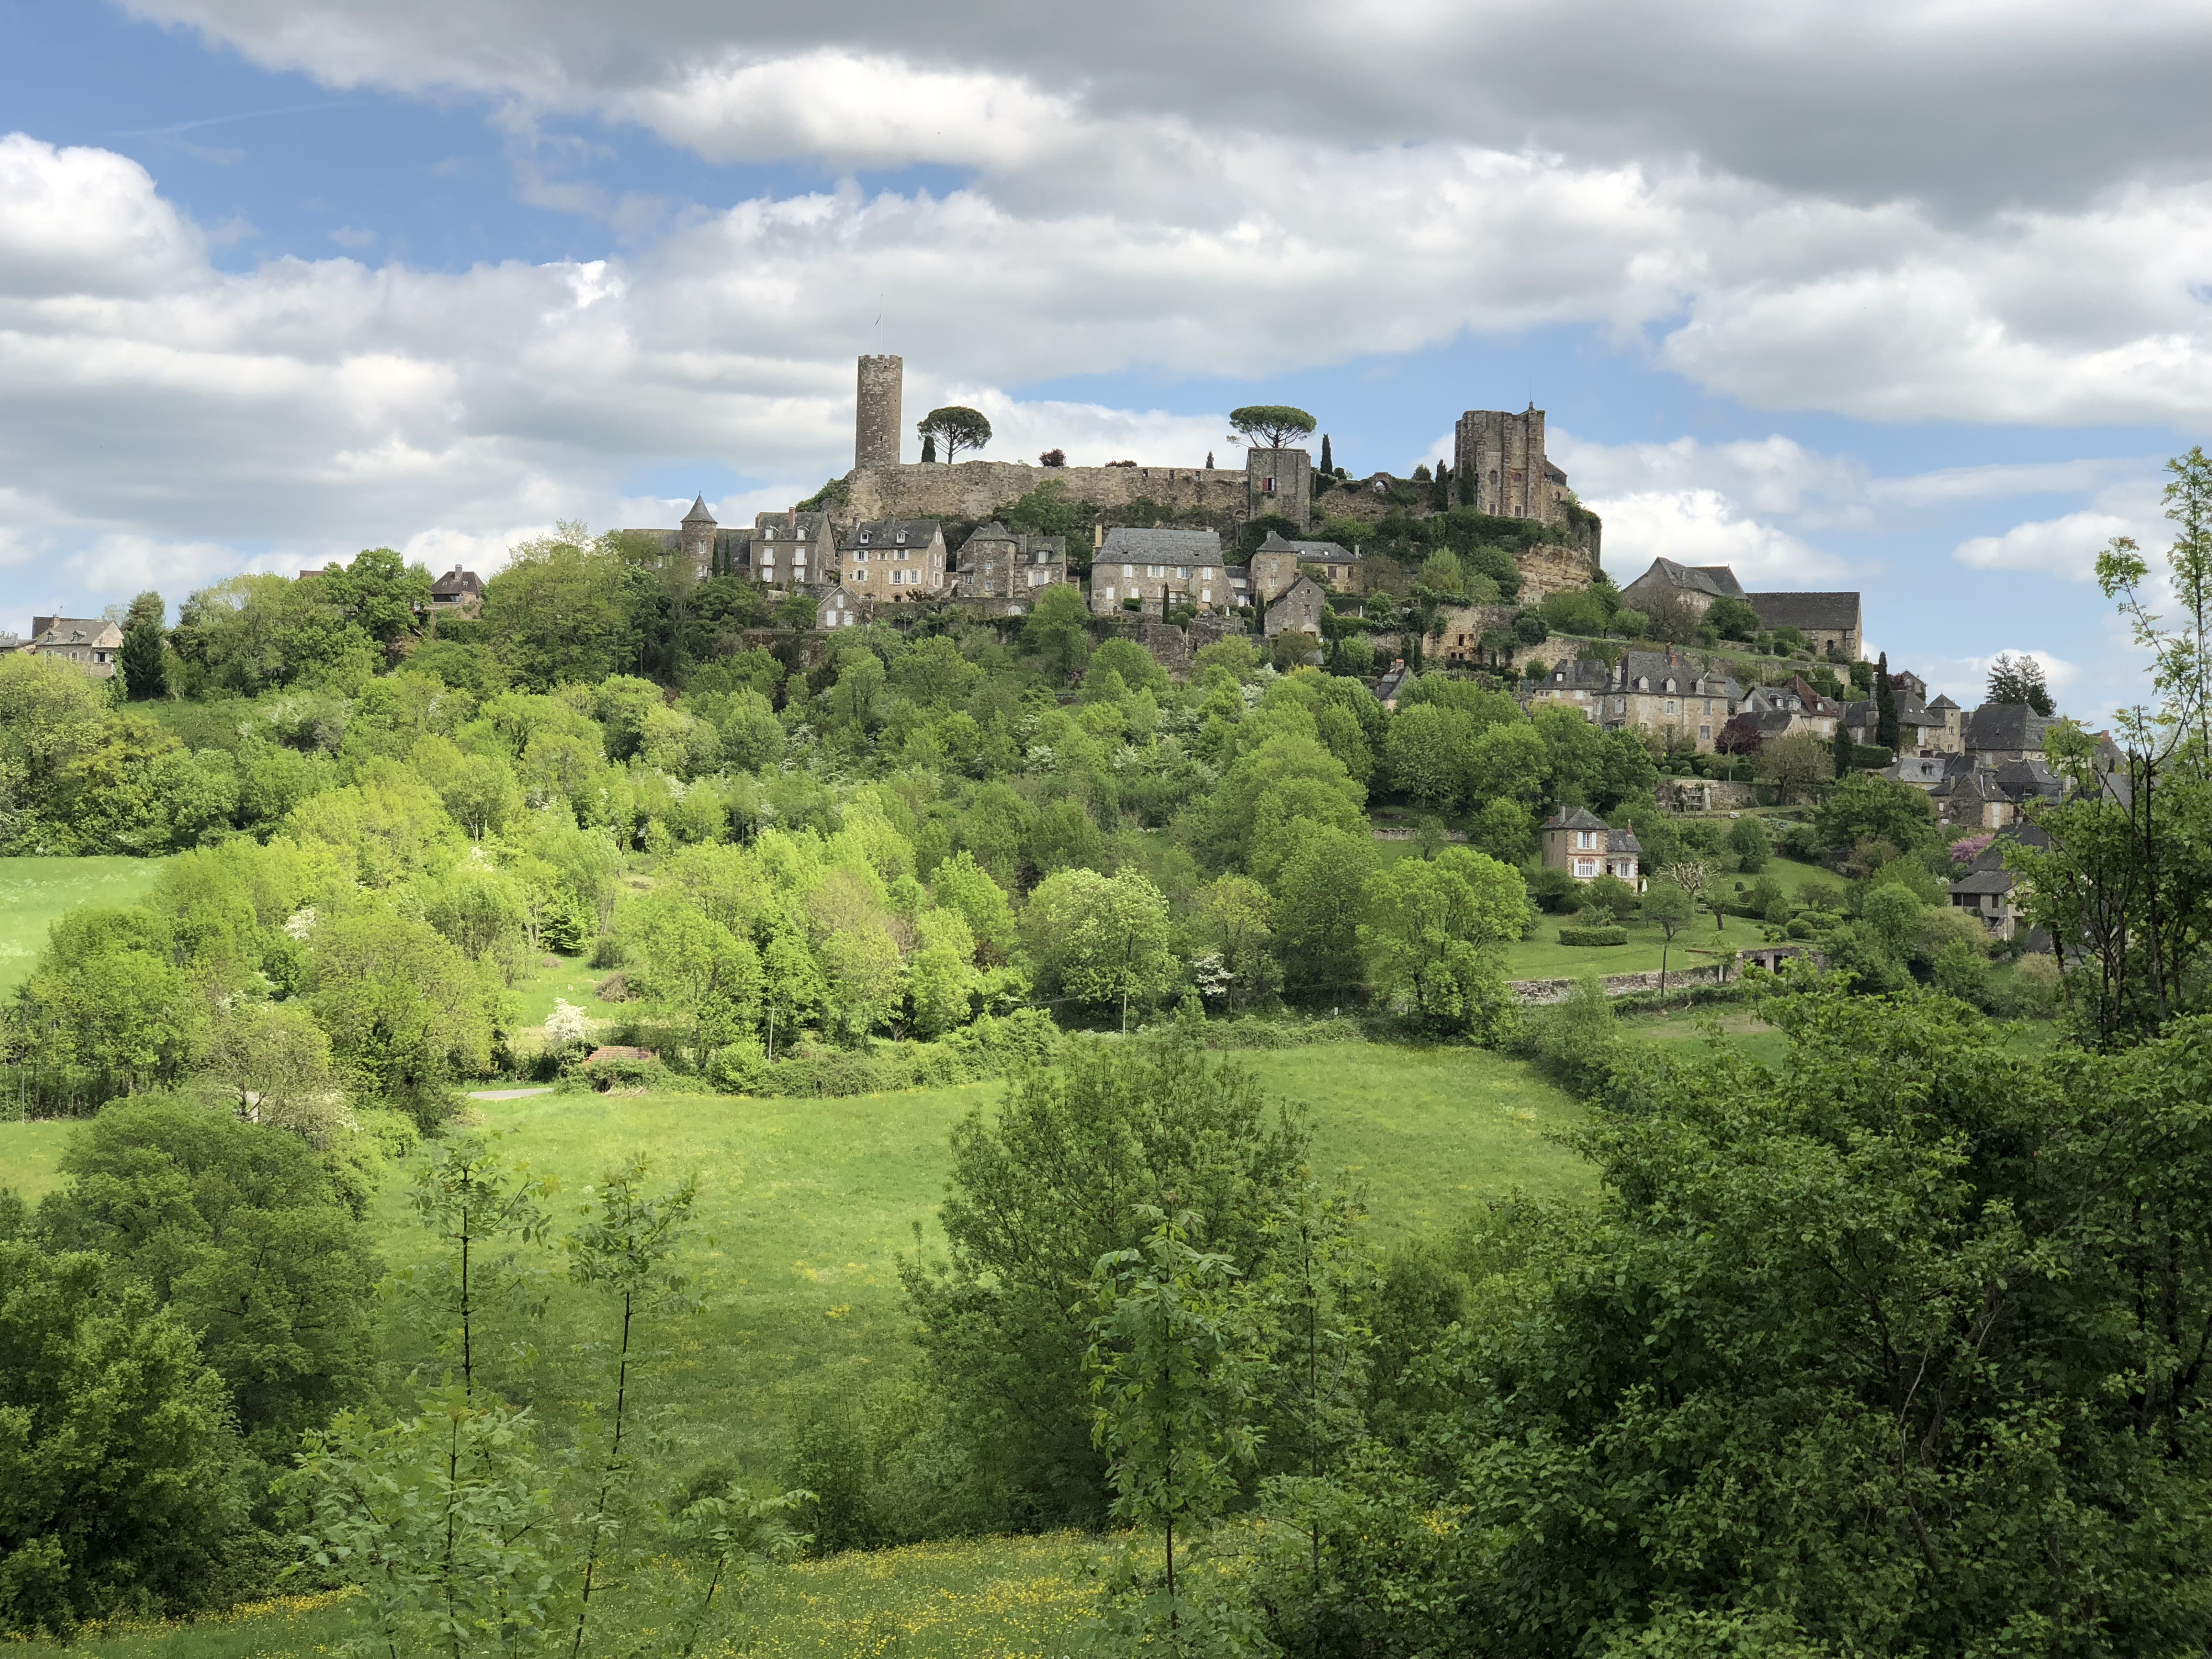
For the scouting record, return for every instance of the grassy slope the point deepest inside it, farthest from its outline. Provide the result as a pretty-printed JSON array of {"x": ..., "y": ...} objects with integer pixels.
[
  {"x": 808, "y": 1203},
  {"x": 34, "y": 893}
]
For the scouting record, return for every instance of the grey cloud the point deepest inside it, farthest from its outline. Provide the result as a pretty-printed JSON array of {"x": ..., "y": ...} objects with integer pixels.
[{"x": 1970, "y": 108}]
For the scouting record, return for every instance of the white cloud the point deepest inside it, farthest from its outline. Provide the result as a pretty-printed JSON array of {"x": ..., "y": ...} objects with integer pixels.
[
  {"x": 2068, "y": 545},
  {"x": 1703, "y": 526}
]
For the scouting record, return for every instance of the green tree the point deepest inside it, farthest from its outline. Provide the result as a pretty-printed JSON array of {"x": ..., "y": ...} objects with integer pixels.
[
  {"x": 480, "y": 1211},
  {"x": 1172, "y": 1361},
  {"x": 1271, "y": 426},
  {"x": 406, "y": 1012},
  {"x": 381, "y": 594},
  {"x": 1100, "y": 939},
  {"x": 1748, "y": 841},
  {"x": 243, "y": 1233},
  {"x": 145, "y": 644},
  {"x": 1864, "y": 807},
  {"x": 1426, "y": 750},
  {"x": 559, "y": 611},
  {"x": 1436, "y": 933},
  {"x": 1808, "y": 1281},
  {"x": 1795, "y": 766},
  {"x": 117, "y": 1465},
  {"x": 624, "y": 1245},
  {"x": 1058, "y": 628},
  {"x": 2018, "y": 680},
  {"x": 1732, "y": 619},
  {"x": 1670, "y": 909},
  {"x": 1238, "y": 915},
  {"x": 1042, "y": 1187},
  {"x": 1884, "y": 706},
  {"x": 1321, "y": 890},
  {"x": 956, "y": 428}
]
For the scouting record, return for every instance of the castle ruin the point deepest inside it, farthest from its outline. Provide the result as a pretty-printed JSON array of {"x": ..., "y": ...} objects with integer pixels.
[
  {"x": 1499, "y": 458},
  {"x": 876, "y": 412}
]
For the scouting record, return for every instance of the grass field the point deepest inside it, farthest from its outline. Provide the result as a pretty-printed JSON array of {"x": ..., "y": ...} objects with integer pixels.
[
  {"x": 979, "y": 1598},
  {"x": 34, "y": 893},
  {"x": 1545, "y": 958},
  {"x": 808, "y": 1204}
]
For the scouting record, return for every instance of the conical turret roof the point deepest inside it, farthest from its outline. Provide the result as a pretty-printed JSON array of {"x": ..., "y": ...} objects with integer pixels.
[{"x": 699, "y": 514}]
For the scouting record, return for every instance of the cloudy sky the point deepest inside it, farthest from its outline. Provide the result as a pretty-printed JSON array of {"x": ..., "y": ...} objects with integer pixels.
[{"x": 1908, "y": 297}]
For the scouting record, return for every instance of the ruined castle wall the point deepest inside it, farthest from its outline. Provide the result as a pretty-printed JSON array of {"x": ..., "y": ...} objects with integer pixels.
[{"x": 986, "y": 489}]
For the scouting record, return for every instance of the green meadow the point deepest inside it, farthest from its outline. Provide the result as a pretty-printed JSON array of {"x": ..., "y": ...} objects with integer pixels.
[
  {"x": 805, "y": 1207},
  {"x": 35, "y": 893}
]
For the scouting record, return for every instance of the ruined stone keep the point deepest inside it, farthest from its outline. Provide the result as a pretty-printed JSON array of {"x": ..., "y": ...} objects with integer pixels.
[
  {"x": 1500, "y": 457},
  {"x": 877, "y": 412}
]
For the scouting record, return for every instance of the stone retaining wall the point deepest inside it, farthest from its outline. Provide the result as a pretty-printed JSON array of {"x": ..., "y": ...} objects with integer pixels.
[{"x": 1541, "y": 993}]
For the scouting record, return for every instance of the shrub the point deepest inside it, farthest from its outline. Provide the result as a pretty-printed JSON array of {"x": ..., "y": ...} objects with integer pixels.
[
  {"x": 1555, "y": 890},
  {"x": 1593, "y": 936}
]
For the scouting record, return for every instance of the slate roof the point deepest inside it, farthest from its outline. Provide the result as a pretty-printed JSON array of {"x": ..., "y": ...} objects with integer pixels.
[
  {"x": 699, "y": 514},
  {"x": 1715, "y": 581},
  {"x": 1392, "y": 683},
  {"x": 1583, "y": 674},
  {"x": 1985, "y": 881},
  {"x": 455, "y": 582},
  {"x": 1941, "y": 704},
  {"x": 95, "y": 631},
  {"x": 887, "y": 533},
  {"x": 1833, "y": 611},
  {"x": 1127, "y": 544},
  {"x": 2006, "y": 725},
  {"x": 1574, "y": 817}
]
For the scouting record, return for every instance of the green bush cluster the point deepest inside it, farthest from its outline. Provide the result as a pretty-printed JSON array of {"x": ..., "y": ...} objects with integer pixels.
[{"x": 1593, "y": 936}]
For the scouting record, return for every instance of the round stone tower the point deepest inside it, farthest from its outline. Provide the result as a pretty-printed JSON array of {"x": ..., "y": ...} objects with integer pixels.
[
  {"x": 876, "y": 414},
  {"x": 696, "y": 537}
]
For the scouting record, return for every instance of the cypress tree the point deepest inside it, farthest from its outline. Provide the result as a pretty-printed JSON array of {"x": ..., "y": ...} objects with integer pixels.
[
  {"x": 1884, "y": 706},
  {"x": 1326, "y": 464},
  {"x": 1842, "y": 749},
  {"x": 928, "y": 447},
  {"x": 144, "y": 676}
]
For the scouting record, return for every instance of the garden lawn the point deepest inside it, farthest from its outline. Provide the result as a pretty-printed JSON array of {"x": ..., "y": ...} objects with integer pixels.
[
  {"x": 567, "y": 978},
  {"x": 1545, "y": 958},
  {"x": 35, "y": 893}
]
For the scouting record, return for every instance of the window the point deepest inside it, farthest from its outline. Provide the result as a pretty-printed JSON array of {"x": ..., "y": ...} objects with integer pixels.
[
  {"x": 1704, "y": 734},
  {"x": 802, "y": 532},
  {"x": 1128, "y": 570},
  {"x": 1670, "y": 705},
  {"x": 1108, "y": 594},
  {"x": 860, "y": 557},
  {"x": 1586, "y": 868},
  {"x": 1585, "y": 839},
  {"x": 769, "y": 534},
  {"x": 864, "y": 537},
  {"x": 1267, "y": 486},
  {"x": 901, "y": 539}
]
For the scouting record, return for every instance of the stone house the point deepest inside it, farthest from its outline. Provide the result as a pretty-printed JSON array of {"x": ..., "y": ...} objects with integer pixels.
[
  {"x": 1949, "y": 736},
  {"x": 1388, "y": 687},
  {"x": 1158, "y": 569},
  {"x": 458, "y": 591},
  {"x": 1658, "y": 692},
  {"x": 1240, "y": 585},
  {"x": 1298, "y": 611},
  {"x": 1829, "y": 622},
  {"x": 1580, "y": 843},
  {"x": 1917, "y": 726},
  {"x": 92, "y": 643},
  {"x": 1695, "y": 585},
  {"x": 896, "y": 561},
  {"x": 789, "y": 549},
  {"x": 1278, "y": 563},
  {"x": 1002, "y": 572},
  {"x": 839, "y": 606},
  {"x": 1990, "y": 892},
  {"x": 2005, "y": 730}
]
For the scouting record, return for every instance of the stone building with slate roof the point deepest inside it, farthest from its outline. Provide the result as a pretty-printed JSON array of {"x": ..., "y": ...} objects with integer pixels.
[
  {"x": 1297, "y": 610},
  {"x": 1696, "y": 585},
  {"x": 2005, "y": 730},
  {"x": 896, "y": 561},
  {"x": 1658, "y": 692},
  {"x": 1158, "y": 569},
  {"x": 92, "y": 643},
  {"x": 1002, "y": 573},
  {"x": 1580, "y": 843},
  {"x": 1278, "y": 563},
  {"x": 1829, "y": 622}
]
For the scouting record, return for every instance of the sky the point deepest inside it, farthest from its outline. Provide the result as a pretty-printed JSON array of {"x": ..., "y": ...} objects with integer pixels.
[{"x": 1911, "y": 298}]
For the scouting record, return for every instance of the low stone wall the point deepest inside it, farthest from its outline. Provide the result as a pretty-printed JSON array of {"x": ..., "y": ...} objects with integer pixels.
[
  {"x": 1540, "y": 993},
  {"x": 1706, "y": 794}
]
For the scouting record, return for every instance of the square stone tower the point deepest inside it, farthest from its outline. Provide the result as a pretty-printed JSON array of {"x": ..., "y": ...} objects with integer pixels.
[
  {"x": 1500, "y": 456},
  {"x": 1280, "y": 481},
  {"x": 876, "y": 414}
]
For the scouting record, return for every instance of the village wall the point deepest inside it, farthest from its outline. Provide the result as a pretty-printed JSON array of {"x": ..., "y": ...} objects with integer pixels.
[
  {"x": 1541, "y": 993},
  {"x": 987, "y": 489}
]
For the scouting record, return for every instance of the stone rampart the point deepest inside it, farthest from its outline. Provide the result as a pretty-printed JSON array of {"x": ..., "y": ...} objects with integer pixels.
[{"x": 986, "y": 489}]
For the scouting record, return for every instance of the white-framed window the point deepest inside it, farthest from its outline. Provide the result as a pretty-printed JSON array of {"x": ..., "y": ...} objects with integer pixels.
[
  {"x": 1586, "y": 868},
  {"x": 1108, "y": 594},
  {"x": 1128, "y": 570},
  {"x": 861, "y": 556},
  {"x": 864, "y": 537},
  {"x": 802, "y": 532},
  {"x": 768, "y": 534},
  {"x": 1670, "y": 705},
  {"x": 1585, "y": 839},
  {"x": 901, "y": 539}
]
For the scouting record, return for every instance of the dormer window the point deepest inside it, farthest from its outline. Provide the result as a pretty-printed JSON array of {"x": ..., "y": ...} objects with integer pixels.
[
  {"x": 1643, "y": 684},
  {"x": 801, "y": 533},
  {"x": 769, "y": 532},
  {"x": 864, "y": 538},
  {"x": 901, "y": 539}
]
